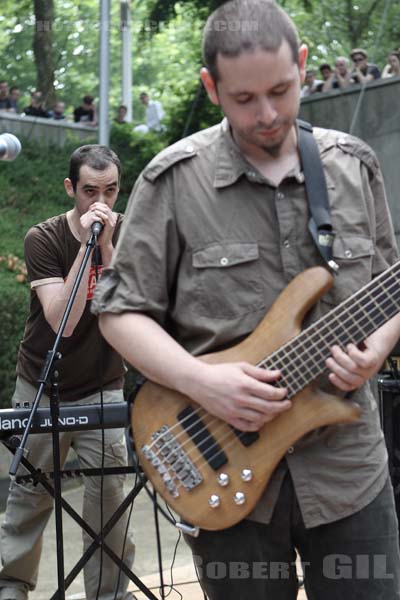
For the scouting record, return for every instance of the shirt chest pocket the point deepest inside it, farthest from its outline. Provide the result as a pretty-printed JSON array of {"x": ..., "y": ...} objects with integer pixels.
[{"x": 227, "y": 280}]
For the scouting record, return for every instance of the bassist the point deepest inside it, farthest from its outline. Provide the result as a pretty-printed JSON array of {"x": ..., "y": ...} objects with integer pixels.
[{"x": 216, "y": 228}]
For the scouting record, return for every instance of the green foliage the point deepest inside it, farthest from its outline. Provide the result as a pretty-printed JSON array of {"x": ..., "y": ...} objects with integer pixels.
[
  {"x": 135, "y": 151},
  {"x": 13, "y": 311},
  {"x": 32, "y": 191},
  {"x": 193, "y": 113},
  {"x": 166, "y": 37}
]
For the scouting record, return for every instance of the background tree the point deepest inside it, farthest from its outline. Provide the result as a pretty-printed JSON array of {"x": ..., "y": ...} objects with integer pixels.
[
  {"x": 166, "y": 43},
  {"x": 43, "y": 49}
]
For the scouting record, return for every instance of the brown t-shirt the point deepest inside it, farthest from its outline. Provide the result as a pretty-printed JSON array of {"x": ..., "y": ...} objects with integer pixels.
[{"x": 87, "y": 360}]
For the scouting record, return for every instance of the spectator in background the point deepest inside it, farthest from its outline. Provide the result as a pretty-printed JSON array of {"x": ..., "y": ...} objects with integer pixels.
[
  {"x": 340, "y": 77},
  {"x": 58, "y": 112},
  {"x": 154, "y": 115},
  {"x": 392, "y": 69},
  {"x": 121, "y": 114},
  {"x": 86, "y": 112},
  {"x": 15, "y": 94},
  {"x": 37, "y": 106},
  {"x": 342, "y": 73},
  {"x": 310, "y": 84},
  {"x": 363, "y": 70},
  {"x": 5, "y": 103},
  {"x": 327, "y": 78}
]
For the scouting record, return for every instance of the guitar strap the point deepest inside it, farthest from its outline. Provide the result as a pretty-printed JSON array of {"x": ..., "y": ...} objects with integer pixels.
[{"x": 320, "y": 224}]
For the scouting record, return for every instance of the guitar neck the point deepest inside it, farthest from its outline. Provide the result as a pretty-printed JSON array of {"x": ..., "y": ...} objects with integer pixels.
[{"x": 302, "y": 359}]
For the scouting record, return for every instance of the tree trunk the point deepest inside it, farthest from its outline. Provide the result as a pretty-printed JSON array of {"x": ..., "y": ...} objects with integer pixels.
[{"x": 43, "y": 49}]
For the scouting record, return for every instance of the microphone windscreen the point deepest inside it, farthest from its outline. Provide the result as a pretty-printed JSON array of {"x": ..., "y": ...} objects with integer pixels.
[
  {"x": 10, "y": 146},
  {"x": 97, "y": 228}
]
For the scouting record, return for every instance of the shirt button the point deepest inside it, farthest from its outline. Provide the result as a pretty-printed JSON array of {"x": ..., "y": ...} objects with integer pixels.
[
  {"x": 224, "y": 261},
  {"x": 251, "y": 174},
  {"x": 290, "y": 450},
  {"x": 286, "y": 243},
  {"x": 348, "y": 253},
  {"x": 280, "y": 196},
  {"x": 189, "y": 148}
]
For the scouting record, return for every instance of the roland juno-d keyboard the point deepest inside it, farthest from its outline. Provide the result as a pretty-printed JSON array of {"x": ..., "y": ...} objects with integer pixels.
[{"x": 72, "y": 418}]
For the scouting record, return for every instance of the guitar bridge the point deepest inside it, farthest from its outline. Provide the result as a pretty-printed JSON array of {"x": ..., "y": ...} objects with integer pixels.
[{"x": 172, "y": 463}]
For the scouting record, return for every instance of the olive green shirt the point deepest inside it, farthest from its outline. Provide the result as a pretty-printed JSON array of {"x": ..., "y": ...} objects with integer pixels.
[{"x": 206, "y": 247}]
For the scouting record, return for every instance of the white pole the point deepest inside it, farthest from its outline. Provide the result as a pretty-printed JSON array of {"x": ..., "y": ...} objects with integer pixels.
[
  {"x": 104, "y": 67},
  {"x": 126, "y": 57}
]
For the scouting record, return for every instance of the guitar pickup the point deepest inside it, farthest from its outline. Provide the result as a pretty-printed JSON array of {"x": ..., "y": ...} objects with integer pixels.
[
  {"x": 202, "y": 438},
  {"x": 246, "y": 438}
]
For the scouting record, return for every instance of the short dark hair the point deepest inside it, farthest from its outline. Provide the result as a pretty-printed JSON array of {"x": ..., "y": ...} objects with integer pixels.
[
  {"x": 244, "y": 25},
  {"x": 94, "y": 156},
  {"x": 88, "y": 99},
  {"x": 325, "y": 66}
]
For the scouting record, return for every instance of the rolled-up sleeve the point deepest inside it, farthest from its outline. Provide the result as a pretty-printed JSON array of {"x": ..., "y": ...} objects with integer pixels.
[{"x": 140, "y": 277}]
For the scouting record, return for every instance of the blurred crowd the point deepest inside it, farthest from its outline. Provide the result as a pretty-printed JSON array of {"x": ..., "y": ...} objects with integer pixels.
[
  {"x": 344, "y": 73},
  {"x": 84, "y": 113},
  {"x": 349, "y": 71},
  {"x": 10, "y": 98}
]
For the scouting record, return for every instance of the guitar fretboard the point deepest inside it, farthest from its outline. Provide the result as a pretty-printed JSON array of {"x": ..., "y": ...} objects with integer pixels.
[{"x": 302, "y": 359}]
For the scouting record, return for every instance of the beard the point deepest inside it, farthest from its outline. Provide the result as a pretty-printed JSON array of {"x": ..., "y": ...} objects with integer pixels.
[
  {"x": 273, "y": 146},
  {"x": 273, "y": 150}
]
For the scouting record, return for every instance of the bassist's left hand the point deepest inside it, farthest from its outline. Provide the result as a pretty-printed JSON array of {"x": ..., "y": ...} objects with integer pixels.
[{"x": 352, "y": 367}]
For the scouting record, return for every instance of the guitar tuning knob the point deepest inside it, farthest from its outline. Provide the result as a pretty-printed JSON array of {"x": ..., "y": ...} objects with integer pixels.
[
  {"x": 223, "y": 479},
  {"x": 246, "y": 474},
  {"x": 214, "y": 501},
  {"x": 239, "y": 498}
]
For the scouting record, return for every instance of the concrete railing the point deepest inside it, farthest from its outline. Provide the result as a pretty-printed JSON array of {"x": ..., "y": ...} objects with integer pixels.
[
  {"x": 47, "y": 131},
  {"x": 373, "y": 114}
]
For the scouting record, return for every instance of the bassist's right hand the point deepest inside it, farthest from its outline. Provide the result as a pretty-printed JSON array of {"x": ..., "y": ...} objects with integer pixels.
[{"x": 239, "y": 393}]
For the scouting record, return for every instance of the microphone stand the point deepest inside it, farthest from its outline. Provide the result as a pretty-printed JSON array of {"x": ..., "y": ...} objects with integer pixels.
[{"x": 50, "y": 375}]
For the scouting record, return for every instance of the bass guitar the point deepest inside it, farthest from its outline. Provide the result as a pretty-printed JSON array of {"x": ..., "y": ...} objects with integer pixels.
[{"x": 213, "y": 475}]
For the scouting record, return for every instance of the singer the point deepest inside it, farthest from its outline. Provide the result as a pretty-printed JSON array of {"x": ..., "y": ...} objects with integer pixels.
[{"x": 53, "y": 254}]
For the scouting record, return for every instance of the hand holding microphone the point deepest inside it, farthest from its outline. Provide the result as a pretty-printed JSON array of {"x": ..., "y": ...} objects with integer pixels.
[{"x": 99, "y": 220}]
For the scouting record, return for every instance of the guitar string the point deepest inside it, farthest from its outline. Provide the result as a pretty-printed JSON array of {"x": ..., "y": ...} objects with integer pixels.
[
  {"x": 368, "y": 300},
  {"x": 315, "y": 331},
  {"x": 209, "y": 437},
  {"x": 315, "y": 336},
  {"x": 233, "y": 437},
  {"x": 298, "y": 343},
  {"x": 299, "y": 339},
  {"x": 287, "y": 354},
  {"x": 231, "y": 433}
]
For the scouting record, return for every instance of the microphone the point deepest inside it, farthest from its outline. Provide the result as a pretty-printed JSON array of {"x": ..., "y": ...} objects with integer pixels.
[
  {"x": 97, "y": 228},
  {"x": 10, "y": 146}
]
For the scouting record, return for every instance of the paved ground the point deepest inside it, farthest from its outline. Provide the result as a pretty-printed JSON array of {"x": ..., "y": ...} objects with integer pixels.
[
  {"x": 143, "y": 528},
  {"x": 146, "y": 565}
]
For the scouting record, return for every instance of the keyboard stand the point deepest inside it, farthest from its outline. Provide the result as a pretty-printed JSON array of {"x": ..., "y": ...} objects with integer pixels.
[{"x": 37, "y": 476}]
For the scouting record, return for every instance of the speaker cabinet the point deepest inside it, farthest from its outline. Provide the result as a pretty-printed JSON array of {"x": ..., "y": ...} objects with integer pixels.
[{"x": 389, "y": 409}]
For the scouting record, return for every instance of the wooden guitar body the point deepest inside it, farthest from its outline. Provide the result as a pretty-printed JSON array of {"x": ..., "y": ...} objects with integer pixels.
[{"x": 208, "y": 473}]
